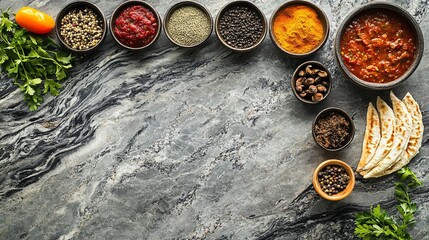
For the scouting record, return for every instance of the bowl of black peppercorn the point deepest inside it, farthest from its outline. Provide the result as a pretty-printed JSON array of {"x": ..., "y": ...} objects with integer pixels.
[
  {"x": 241, "y": 26},
  {"x": 81, "y": 27},
  {"x": 333, "y": 180}
]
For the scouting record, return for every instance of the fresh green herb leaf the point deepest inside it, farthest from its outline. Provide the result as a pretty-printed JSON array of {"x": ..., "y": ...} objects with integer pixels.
[
  {"x": 52, "y": 87},
  {"x": 3, "y": 56},
  {"x": 60, "y": 73},
  {"x": 377, "y": 224},
  {"x": 32, "y": 61},
  {"x": 408, "y": 176},
  {"x": 63, "y": 57},
  {"x": 6, "y": 23},
  {"x": 35, "y": 81}
]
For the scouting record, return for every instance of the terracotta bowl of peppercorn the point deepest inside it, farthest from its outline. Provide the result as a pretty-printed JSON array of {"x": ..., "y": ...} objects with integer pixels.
[
  {"x": 135, "y": 25},
  {"x": 299, "y": 28},
  {"x": 333, "y": 180},
  {"x": 81, "y": 27},
  {"x": 311, "y": 82},
  {"x": 241, "y": 26},
  {"x": 333, "y": 129}
]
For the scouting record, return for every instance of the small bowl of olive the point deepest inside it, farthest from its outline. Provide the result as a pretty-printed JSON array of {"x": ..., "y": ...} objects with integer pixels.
[
  {"x": 311, "y": 82},
  {"x": 333, "y": 180}
]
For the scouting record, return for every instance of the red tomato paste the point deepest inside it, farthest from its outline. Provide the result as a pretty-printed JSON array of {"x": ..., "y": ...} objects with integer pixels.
[
  {"x": 136, "y": 26},
  {"x": 378, "y": 46}
]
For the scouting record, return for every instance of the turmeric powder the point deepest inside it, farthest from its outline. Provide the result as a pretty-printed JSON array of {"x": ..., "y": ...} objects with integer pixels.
[{"x": 298, "y": 29}]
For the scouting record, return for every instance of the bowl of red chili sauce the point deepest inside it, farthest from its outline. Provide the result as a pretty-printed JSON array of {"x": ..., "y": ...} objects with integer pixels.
[
  {"x": 135, "y": 25},
  {"x": 378, "y": 46}
]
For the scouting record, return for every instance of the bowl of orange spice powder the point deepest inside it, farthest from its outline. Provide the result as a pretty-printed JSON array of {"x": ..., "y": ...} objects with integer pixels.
[{"x": 299, "y": 28}]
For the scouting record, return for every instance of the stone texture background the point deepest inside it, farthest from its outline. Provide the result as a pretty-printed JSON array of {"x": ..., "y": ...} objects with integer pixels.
[{"x": 176, "y": 143}]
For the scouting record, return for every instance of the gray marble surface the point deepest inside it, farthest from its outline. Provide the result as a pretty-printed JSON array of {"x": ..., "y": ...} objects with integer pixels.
[{"x": 177, "y": 143}]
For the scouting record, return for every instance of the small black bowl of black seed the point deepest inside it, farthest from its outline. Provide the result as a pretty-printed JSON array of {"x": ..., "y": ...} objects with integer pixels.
[
  {"x": 81, "y": 27},
  {"x": 241, "y": 26},
  {"x": 333, "y": 129}
]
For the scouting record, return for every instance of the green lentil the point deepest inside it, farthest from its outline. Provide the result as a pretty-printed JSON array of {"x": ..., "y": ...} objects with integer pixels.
[
  {"x": 189, "y": 26},
  {"x": 81, "y": 28}
]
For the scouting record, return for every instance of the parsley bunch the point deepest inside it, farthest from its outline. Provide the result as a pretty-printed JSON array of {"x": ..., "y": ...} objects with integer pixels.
[
  {"x": 376, "y": 224},
  {"x": 32, "y": 61}
]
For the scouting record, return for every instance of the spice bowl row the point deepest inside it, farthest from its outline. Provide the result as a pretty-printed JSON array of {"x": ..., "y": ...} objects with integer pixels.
[{"x": 240, "y": 26}]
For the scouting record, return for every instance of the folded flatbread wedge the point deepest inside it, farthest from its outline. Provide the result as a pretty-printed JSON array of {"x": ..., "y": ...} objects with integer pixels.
[
  {"x": 416, "y": 136},
  {"x": 387, "y": 121},
  {"x": 371, "y": 138},
  {"x": 402, "y": 134}
]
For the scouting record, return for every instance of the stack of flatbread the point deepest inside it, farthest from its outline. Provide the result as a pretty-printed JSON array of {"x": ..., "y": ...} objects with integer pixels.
[{"x": 392, "y": 137}]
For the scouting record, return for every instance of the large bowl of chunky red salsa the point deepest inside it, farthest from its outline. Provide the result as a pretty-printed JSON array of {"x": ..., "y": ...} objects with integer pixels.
[
  {"x": 378, "y": 46},
  {"x": 135, "y": 25}
]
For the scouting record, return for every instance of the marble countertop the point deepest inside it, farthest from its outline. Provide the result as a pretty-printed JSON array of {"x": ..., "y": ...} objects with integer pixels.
[{"x": 200, "y": 143}]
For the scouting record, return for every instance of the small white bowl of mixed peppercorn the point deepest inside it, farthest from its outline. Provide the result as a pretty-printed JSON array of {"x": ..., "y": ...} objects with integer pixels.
[
  {"x": 333, "y": 180},
  {"x": 81, "y": 27}
]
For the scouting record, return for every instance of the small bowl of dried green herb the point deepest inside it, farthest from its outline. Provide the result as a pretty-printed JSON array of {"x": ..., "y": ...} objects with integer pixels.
[
  {"x": 188, "y": 24},
  {"x": 333, "y": 129},
  {"x": 241, "y": 26},
  {"x": 333, "y": 180},
  {"x": 81, "y": 27}
]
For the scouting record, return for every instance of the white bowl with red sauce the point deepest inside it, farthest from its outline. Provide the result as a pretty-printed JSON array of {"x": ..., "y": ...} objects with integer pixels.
[
  {"x": 135, "y": 25},
  {"x": 380, "y": 55}
]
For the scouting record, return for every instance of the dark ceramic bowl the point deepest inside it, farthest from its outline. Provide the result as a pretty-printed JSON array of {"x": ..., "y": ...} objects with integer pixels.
[
  {"x": 341, "y": 195},
  {"x": 247, "y": 4},
  {"x": 393, "y": 8},
  {"x": 322, "y": 16},
  {"x": 77, "y": 5},
  {"x": 183, "y": 4},
  {"x": 126, "y": 4},
  {"x": 341, "y": 112},
  {"x": 295, "y": 76}
]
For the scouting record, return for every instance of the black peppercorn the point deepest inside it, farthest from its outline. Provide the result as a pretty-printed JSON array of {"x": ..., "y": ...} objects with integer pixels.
[
  {"x": 241, "y": 26},
  {"x": 333, "y": 179}
]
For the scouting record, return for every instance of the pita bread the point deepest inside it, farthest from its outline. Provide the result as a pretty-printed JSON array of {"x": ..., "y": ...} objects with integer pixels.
[
  {"x": 371, "y": 138},
  {"x": 387, "y": 120},
  {"x": 402, "y": 134},
  {"x": 416, "y": 136}
]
